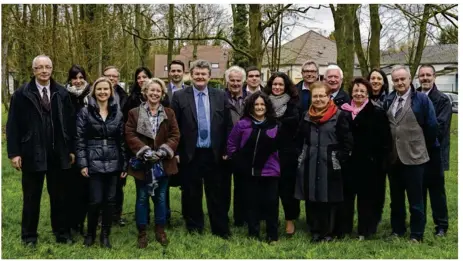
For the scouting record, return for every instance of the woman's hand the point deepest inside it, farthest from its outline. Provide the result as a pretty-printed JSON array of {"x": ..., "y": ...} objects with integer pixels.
[
  {"x": 84, "y": 172},
  {"x": 123, "y": 175}
]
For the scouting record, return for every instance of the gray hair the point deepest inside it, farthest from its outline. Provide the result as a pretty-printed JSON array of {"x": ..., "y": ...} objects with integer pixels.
[
  {"x": 41, "y": 56},
  {"x": 401, "y": 67},
  {"x": 237, "y": 69},
  {"x": 310, "y": 62},
  {"x": 149, "y": 82},
  {"x": 200, "y": 64},
  {"x": 334, "y": 67}
]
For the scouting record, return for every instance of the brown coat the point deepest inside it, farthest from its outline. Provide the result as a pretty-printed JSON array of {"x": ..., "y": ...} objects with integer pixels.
[{"x": 139, "y": 137}]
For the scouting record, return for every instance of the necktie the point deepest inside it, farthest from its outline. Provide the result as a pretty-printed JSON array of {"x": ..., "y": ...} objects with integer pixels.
[
  {"x": 202, "y": 120},
  {"x": 45, "y": 100},
  {"x": 399, "y": 107}
]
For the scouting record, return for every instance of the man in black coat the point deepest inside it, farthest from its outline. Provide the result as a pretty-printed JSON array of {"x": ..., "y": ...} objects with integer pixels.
[
  {"x": 333, "y": 77},
  {"x": 434, "y": 180},
  {"x": 204, "y": 121},
  {"x": 40, "y": 133},
  {"x": 309, "y": 73}
]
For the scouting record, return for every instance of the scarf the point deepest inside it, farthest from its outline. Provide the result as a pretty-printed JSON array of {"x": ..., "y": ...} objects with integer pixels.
[
  {"x": 78, "y": 91},
  {"x": 354, "y": 110},
  {"x": 324, "y": 115},
  {"x": 279, "y": 103}
]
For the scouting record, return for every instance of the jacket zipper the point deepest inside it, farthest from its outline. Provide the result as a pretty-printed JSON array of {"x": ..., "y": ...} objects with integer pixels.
[{"x": 255, "y": 150}]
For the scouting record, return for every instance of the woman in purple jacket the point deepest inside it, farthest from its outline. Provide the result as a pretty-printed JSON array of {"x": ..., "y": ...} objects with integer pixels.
[{"x": 252, "y": 146}]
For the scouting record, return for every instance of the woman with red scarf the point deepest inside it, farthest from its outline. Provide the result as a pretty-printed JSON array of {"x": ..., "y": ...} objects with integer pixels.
[{"x": 324, "y": 142}]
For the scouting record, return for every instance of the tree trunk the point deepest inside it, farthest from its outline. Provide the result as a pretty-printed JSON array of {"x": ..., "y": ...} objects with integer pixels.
[
  {"x": 255, "y": 33},
  {"x": 195, "y": 43},
  {"x": 421, "y": 41},
  {"x": 53, "y": 33},
  {"x": 240, "y": 36},
  {"x": 374, "y": 48},
  {"x": 170, "y": 44},
  {"x": 359, "y": 48},
  {"x": 5, "y": 45}
]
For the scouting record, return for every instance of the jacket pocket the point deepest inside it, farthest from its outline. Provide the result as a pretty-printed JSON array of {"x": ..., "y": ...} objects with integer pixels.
[{"x": 334, "y": 159}]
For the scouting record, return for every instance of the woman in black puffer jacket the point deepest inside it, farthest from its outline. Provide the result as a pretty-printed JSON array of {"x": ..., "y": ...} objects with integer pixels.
[{"x": 101, "y": 156}]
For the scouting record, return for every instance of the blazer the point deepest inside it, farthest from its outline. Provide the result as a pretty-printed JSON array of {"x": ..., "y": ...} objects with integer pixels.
[{"x": 184, "y": 106}]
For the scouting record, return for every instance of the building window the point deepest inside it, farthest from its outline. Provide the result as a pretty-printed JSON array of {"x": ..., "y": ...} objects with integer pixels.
[
  {"x": 165, "y": 68},
  {"x": 215, "y": 66}
]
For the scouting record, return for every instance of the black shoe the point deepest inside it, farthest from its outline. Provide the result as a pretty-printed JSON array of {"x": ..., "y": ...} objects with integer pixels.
[
  {"x": 315, "y": 238},
  {"x": 31, "y": 244},
  {"x": 327, "y": 239},
  {"x": 415, "y": 240},
  {"x": 440, "y": 233},
  {"x": 104, "y": 241},
  {"x": 64, "y": 240},
  {"x": 89, "y": 241}
]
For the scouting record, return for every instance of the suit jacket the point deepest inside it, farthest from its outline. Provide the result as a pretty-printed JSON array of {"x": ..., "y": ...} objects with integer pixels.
[
  {"x": 184, "y": 106},
  {"x": 341, "y": 98}
]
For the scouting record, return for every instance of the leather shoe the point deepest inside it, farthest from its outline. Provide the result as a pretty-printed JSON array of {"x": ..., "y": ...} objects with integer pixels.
[{"x": 440, "y": 233}]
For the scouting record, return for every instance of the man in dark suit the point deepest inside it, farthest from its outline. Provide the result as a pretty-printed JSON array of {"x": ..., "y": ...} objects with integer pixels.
[
  {"x": 309, "y": 73},
  {"x": 434, "y": 180},
  {"x": 176, "y": 73},
  {"x": 204, "y": 121},
  {"x": 40, "y": 135},
  {"x": 333, "y": 77}
]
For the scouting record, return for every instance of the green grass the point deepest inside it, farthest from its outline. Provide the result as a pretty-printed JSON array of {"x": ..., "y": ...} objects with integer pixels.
[{"x": 185, "y": 246}]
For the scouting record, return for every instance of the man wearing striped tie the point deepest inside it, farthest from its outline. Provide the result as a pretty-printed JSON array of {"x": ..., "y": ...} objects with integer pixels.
[{"x": 414, "y": 131}]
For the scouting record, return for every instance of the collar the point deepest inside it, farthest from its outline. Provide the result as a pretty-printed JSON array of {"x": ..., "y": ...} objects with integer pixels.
[
  {"x": 305, "y": 87},
  {"x": 257, "y": 89},
  {"x": 40, "y": 87},
  {"x": 335, "y": 93},
  {"x": 196, "y": 91},
  {"x": 405, "y": 96},
  {"x": 173, "y": 86}
]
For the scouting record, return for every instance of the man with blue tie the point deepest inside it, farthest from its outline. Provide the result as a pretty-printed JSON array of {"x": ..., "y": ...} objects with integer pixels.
[{"x": 204, "y": 121}]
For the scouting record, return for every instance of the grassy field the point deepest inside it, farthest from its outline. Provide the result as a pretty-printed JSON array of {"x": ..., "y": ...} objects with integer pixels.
[{"x": 185, "y": 246}]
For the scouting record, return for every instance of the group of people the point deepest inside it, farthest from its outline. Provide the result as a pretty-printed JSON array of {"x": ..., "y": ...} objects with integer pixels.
[{"x": 311, "y": 141}]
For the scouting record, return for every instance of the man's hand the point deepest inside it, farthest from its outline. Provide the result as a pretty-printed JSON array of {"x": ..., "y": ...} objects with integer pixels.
[
  {"x": 84, "y": 172},
  {"x": 72, "y": 157},
  {"x": 123, "y": 175},
  {"x": 16, "y": 162}
]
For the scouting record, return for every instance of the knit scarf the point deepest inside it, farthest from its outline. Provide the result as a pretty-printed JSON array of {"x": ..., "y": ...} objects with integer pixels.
[
  {"x": 279, "y": 103},
  {"x": 323, "y": 115},
  {"x": 354, "y": 110},
  {"x": 78, "y": 91}
]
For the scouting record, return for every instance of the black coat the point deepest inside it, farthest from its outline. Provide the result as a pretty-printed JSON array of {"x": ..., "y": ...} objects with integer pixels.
[
  {"x": 288, "y": 123},
  {"x": 78, "y": 101},
  {"x": 341, "y": 98},
  {"x": 100, "y": 144},
  {"x": 302, "y": 108},
  {"x": 443, "y": 109},
  {"x": 24, "y": 129},
  {"x": 123, "y": 97}
]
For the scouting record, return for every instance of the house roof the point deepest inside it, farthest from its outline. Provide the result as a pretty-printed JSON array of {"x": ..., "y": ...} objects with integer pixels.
[
  {"x": 212, "y": 54},
  {"x": 433, "y": 54}
]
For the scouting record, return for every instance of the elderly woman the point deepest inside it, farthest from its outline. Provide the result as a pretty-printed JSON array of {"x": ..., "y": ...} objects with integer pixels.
[
  {"x": 253, "y": 148},
  {"x": 100, "y": 155},
  {"x": 379, "y": 86},
  {"x": 152, "y": 135},
  {"x": 284, "y": 98},
  {"x": 366, "y": 177},
  {"x": 325, "y": 143}
]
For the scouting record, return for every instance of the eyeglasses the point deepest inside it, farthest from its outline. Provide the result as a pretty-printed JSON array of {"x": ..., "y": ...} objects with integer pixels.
[
  {"x": 319, "y": 97},
  {"x": 111, "y": 76},
  {"x": 39, "y": 68},
  {"x": 309, "y": 71}
]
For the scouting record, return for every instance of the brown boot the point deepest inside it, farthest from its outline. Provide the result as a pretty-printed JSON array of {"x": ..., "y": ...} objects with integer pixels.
[
  {"x": 161, "y": 235},
  {"x": 142, "y": 238}
]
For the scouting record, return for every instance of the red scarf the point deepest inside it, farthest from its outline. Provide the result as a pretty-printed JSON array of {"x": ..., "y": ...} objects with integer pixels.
[{"x": 324, "y": 115}]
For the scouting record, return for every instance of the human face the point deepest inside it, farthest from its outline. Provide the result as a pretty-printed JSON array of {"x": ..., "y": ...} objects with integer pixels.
[
  {"x": 377, "y": 82},
  {"x": 359, "y": 94},
  {"x": 401, "y": 80},
  {"x": 235, "y": 83},
  {"x": 201, "y": 77},
  {"x": 278, "y": 86},
  {"x": 102, "y": 91},
  {"x": 426, "y": 77},
  {"x": 333, "y": 79},
  {"x": 78, "y": 81},
  {"x": 112, "y": 75},
  {"x": 141, "y": 78},
  {"x": 154, "y": 93},
  {"x": 309, "y": 73},
  {"x": 176, "y": 73},
  {"x": 319, "y": 99},
  {"x": 43, "y": 69},
  {"x": 253, "y": 79},
  {"x": 259, "y": 109}
]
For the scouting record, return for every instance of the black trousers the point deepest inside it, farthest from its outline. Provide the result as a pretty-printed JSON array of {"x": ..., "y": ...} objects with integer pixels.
[
  {"x": 32, "y": 185},
  {"x": 119, "y": 206},
  {"x": 407, "y": 178},
  {"x": 77, "y": 194},
  {"x": 291, "y": 205},
  {"x": 203, "y": 168},
  {"x": 239, "y": 190},
  {"x": 321, "y": 217},
  {"x": 102, "y": 196},
  {"x": 434, "y": 182},
  {"x": 262, "y": 201}
]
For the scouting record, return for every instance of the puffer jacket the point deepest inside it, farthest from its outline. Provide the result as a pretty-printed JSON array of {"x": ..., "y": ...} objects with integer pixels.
[
  {"x": 100, "y": 144},
  {"x": 253, "y": 148}
]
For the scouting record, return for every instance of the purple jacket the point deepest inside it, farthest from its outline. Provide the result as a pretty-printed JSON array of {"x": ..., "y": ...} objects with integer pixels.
[{"x": 250, "y": 156}]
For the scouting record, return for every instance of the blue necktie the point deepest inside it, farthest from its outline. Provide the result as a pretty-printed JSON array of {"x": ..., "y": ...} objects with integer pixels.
[{"x": 202, "y": 120}]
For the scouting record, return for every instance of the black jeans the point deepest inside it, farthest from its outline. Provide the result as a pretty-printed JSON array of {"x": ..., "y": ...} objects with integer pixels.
[
  {"x": 203, "y": 168},
  {"x": 32, "y": 185},
  {"x": 119, "y": 205},
  {"x": 77, "y": 195},
  {"x": 239, "y": 197},
  {"x": 291, "y": 205},
  {"x": 434, "y": 182},
  {"x": 262, "y": 201},
  {"x": 407, "y": 178}
]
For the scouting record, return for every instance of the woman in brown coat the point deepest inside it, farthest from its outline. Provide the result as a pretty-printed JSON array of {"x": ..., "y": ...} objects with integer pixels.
[{"x": 152, "y": 135}]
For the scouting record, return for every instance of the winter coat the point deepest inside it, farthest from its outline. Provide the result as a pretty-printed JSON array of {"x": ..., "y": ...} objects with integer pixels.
[
  {"x": 328, "y": 148},
  {"x": 303, "y": 96},
  {"x": 253, "y": 148},
  {"x": 139, "y": 136},
  {"x": 100, "y": 144},
  {"x": 341, "y": 98},
  {"x": 24, "y": 128},
  {"x": 288, "y": 122}
]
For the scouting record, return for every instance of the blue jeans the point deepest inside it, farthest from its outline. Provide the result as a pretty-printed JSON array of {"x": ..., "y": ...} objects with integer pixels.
[{"x": 159, "y": 199}]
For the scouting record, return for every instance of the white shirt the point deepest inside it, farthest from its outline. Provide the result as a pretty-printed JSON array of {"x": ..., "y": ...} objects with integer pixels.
[
  {"x": 40, "y": 87},
  {"x": 426, "y": 92},
  {"x": 396, "y": 100},
  {"x": 333, "y": 95},
  {"x": 305, "y": 87},
  {"x": 251, "y": 92}
]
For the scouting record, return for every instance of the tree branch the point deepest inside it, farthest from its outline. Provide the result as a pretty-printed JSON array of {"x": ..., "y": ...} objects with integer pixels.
[
  {"x": 304, "y": 10},
  {"x": 272, "y": 20}
]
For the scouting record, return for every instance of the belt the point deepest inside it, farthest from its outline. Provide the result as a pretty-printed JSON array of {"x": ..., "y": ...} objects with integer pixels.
[{"x": 103, "y": 142}]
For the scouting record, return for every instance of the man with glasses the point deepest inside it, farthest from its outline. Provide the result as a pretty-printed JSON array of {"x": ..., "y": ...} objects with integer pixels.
[
  {"x": 39, "y": 134},
  {"x": 120, "y": 96},
  {"x": 309, "y": 73},
  {"x": 253, "y": 81}
]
